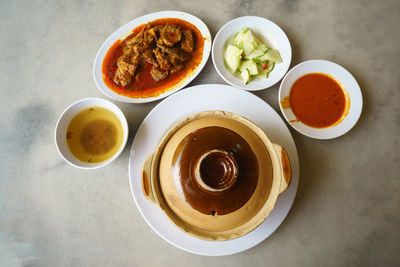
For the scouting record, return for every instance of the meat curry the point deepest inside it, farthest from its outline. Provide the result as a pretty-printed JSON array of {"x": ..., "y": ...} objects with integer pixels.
[{"x": 154, "y": 58}]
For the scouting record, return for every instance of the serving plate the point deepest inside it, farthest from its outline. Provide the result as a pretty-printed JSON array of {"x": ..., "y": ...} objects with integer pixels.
[
  {"x": 175, "y": 108},
  {"x": 347, "y": 81},
  {"x": 268, "y": 33},
  {"x": 125, "y": 30}
]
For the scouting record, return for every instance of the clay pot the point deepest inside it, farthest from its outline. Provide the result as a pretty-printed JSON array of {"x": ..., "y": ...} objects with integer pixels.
[{"x": 216, "y": 175}]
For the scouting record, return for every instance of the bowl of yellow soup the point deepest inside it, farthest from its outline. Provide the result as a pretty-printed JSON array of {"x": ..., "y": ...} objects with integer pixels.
[{"x": 91, "y": 133}]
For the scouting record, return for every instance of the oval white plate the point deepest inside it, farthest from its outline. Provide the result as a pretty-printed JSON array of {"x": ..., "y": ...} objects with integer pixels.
[
  {"x": 267, "y": 32},
  {"x": 125, "y": 30},
  {"x": 346, "y": 80},
  {"x": 174, "y": 109}
]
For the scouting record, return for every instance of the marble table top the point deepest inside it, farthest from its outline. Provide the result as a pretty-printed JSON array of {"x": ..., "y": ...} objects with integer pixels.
[{"x": 347, "y": 209}]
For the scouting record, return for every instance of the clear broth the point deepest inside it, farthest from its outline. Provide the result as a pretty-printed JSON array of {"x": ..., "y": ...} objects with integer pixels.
[{"x": 94, "y": 135}]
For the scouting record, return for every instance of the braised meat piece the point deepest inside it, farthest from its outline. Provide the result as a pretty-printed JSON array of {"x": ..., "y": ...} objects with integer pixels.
[
  {"x": 187, "y": 43},
  {"x": 162, "y": 59},
  {"x": 148, "y": 40},
  {"x": 149, "y": 57},
  {"x": 158, "y": 74},
  {"x": 170, "y": 34},
  {"x": 136, "y": 39},
  {"x": 174, "y": 54},
  {"x": 153, "y": 32},
  {"x": 176, "y": 67},
  {"x": 129, "y": 61},
  {"x": 122, "y": 77},
  {"x": 127, "y": 66}
]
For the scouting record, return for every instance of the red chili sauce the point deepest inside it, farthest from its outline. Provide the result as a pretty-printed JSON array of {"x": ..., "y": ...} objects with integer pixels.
[
  {"x": 146, "y": 86},
  {"x": 317, "y": 100}
]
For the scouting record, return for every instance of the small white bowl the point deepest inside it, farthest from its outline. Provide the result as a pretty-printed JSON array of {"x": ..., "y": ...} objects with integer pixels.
[
  {"x": 69, "y": 113},
  {"x": 268, "y": 33},
  {"x": 346, "y": 80}
]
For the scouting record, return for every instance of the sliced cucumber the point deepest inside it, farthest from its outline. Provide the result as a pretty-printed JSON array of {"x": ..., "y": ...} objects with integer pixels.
[
  {"x": 264, "y": 73},
  {"x": 270, "y": 66},
  {"x": 245, "y": 76},
  {"x": 272, "y": 55},
  {"x": 262, "y": 47},
  {"x": 238, "y": 39},
  {"x": 250, "y": 65},
  {"x": 260, "y": 51},
  {"x": 250, "y": 43},
  {"x": 233, "y": 57},
  {"x": 258, "y": 61},
  {"x": 245, "y": 40}
]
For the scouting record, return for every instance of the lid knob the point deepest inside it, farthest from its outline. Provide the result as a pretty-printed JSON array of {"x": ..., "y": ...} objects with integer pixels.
[{"x": 216, "y": 170}]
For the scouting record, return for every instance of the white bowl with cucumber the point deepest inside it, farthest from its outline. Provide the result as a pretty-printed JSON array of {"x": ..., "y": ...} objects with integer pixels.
[{"x": 251, "y": 53}]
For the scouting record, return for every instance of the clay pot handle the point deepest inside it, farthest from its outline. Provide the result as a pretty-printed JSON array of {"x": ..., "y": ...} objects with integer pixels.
[
  {"x": 286, "y": 175},
  {"x": 147, "y": 187}
]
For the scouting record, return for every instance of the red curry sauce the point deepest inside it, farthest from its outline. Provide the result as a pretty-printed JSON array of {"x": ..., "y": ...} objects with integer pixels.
[
  {"x": 146, "y": 86},
  {"x": 317, "y": 100}
]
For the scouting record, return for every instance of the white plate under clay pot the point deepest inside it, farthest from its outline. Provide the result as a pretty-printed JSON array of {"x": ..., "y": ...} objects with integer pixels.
[{"x": 174, "y": 109}]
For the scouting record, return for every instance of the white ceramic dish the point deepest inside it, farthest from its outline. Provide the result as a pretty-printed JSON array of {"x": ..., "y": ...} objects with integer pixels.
[
  {"x": 267, "y": 32},
  {"x": 174, "y": 109},
  {"x": 65, "y": 118},
  {"x": 343, "y": 77},
  {"x": 125, "y": 30}
]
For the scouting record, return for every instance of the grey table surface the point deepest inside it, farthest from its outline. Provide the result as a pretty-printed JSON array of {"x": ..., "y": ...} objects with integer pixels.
[{"x": 347, "y": 209}]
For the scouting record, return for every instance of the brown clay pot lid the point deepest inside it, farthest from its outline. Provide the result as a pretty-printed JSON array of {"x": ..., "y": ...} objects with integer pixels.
[{"x": 216, "y": 175}]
